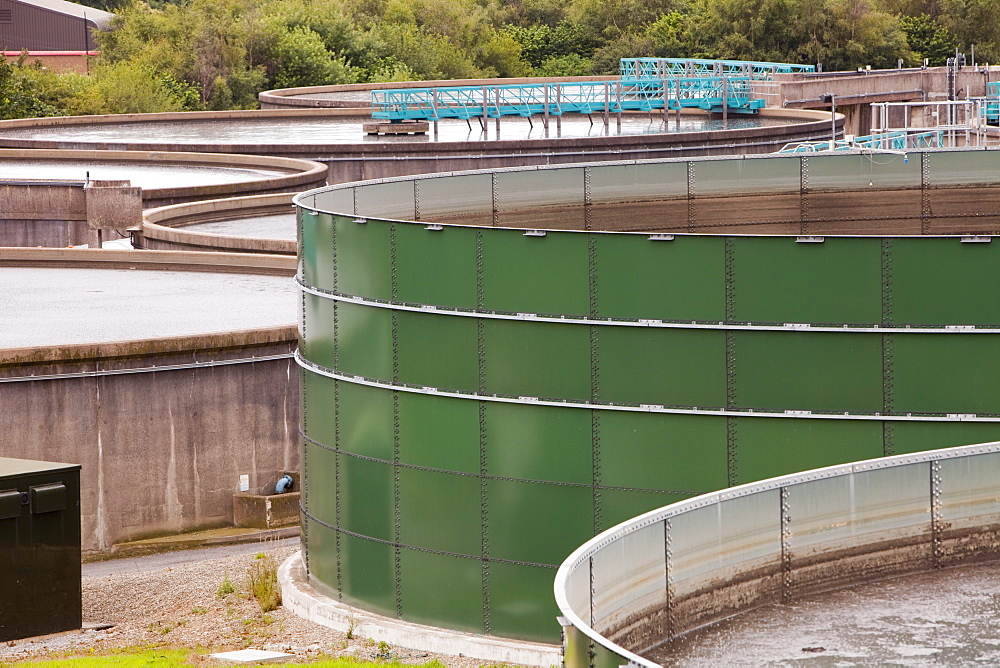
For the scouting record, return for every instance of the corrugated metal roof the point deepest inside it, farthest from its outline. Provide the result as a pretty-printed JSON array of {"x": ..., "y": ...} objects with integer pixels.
[{"x": 99, "y": 17}]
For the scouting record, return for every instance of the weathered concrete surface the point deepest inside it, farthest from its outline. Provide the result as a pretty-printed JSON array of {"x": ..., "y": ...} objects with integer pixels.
[
  {"x": 299, "y": 595},
  {"x": 163, "y": 228},
  {"x": 379, "y": 159},
  {"x": 266, "y": 511},
  {"x": 55, "y": 213},
  {"x": 855, "y": 91},
  {"x": 163, "y": 427}
]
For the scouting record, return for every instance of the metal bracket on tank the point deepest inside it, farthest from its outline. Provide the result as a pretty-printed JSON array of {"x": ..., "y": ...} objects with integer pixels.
[
  {"x": 434, "y": 228},
  {"x": 360, "y": 221},
  {"x": 809, "y": 240},
  {"x": 976, "y": 240},
  {"x": 535, "y": 233},
  {"x": 661, "y": 237}
]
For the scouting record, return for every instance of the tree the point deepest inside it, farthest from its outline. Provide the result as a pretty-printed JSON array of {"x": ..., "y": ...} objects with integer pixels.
[{"x": 18, "y": 99}]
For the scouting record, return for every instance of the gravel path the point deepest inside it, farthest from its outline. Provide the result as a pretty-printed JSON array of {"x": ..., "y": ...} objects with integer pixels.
[{"x": 179, "y": 605}]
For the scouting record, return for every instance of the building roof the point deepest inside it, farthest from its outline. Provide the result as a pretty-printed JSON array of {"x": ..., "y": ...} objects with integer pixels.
[{"x": 98, "y": 17}]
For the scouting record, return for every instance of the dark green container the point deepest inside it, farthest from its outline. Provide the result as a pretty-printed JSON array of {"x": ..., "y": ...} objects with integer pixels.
[{"x": 39, "y": 548}]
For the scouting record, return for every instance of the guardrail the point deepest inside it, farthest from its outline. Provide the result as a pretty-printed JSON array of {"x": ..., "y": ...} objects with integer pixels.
[
  {"x": 732, "y": 93},
  {"x": 696, "y": 562},
  {"x": 883, "y": 141},
  {"x": 659, "y": 68}
]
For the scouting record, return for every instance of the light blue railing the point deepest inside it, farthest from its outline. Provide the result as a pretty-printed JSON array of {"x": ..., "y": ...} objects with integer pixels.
[
  {"x": 659, "y": 68},
  {"x": 583, "y": 97},
  {"x": 885, "y": 141}
]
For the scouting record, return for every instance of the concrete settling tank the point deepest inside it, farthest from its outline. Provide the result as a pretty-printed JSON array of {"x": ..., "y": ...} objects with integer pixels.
[
  {"x": 165, "y": 375},
  {"x": 497, "y": 366}
]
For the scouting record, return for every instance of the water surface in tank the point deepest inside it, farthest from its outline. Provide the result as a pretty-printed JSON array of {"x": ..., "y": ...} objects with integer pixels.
[
  {"x": 145, "y": 175},
  {"x": 47, "y": 306},
  {"x": 349, "y": 130},
  {"x": 277, "y": 226},
  {"x": 947, "y": 618}
]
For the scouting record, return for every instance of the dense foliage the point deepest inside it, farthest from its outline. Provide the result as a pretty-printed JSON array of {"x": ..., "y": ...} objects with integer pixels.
[{"x": 218, "y": 54}]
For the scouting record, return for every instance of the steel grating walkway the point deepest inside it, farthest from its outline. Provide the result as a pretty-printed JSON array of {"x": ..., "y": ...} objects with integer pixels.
[{"x": 717, "y": 94}]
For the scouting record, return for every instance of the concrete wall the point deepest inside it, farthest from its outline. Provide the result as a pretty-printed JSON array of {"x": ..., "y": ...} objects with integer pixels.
[
  {"x": 163, "y": 428},
  {"x": 163, "y": 228},
  {"x": 54, "y": 213}
]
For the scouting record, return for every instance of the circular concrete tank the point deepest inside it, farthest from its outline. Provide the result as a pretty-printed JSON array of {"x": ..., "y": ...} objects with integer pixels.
[
  {"x": 256, "y": 224},
  {"x": 481, "y": 398},
  {"x": 336, "y": 137},
  {"x": 165, "y": 375},
  {"x": 44, "y": 199}
]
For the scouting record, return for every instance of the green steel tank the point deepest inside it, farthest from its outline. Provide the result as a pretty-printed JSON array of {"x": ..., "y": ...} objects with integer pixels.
[{"x": 496, "y": 366}]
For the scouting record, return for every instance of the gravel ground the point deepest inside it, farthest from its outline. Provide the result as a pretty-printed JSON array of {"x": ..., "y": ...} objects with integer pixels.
[{"x": 180, "y": 606}]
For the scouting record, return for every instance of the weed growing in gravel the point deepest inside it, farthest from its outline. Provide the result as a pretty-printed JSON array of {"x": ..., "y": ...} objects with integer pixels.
[
  {"x": 198, "y": 610},
  {"x": 225, "y": 588},
  {"x": 352, "y": 626},
  {"x": 262, "y": 580}
]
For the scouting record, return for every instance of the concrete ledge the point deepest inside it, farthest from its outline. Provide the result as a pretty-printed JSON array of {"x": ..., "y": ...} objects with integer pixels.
[
  {"x": 305, "y": 601},
  {"x": 162, "y": 228}
]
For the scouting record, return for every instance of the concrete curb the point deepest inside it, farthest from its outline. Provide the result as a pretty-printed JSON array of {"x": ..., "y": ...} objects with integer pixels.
[{"x": 305, "y": 601}]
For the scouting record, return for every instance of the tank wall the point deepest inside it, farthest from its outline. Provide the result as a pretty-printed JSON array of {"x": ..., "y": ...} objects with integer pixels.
[
  {"x": 160, "y": 451},
  {"x": 694, "y": 563},
  {"x": 476, "y": 400}
]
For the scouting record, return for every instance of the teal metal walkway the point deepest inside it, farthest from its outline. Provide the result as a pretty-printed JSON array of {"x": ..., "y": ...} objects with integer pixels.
[
  {"x": 731, "y": 94},
  {"x": 991, "y": 108},
  {"x": 660, "y": 68}
]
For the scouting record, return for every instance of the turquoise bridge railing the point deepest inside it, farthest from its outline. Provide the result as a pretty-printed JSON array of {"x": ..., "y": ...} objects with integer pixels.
[
  {"x": 884, "y": 141},
  {"x": 659, "y": 68},
  {"x": 717, "y": 94},
  {"x": 991, "y": 108}
]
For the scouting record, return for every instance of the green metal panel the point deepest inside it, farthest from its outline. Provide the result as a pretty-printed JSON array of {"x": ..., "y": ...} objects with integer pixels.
[
  {"x": 363, "y": 259},
  {"x": 436, "y": 267},
  {"x": 673, "y": 367},
  {"x": 815, "y": 371},
  {"x": 320, "y": 543},
  {"x": 437, "y": 350},
  {"x": 364, "y": 341},
  {"x": 528, "y": 189},
  {"x": 521, "y": 602},
  {"x": 366, "y": 497},
  {"x": 440, "y": 511},
  {"x": 392, "y": 200},
  {"x": 944, "y": 281},
  {"x": 921, "y": 436},
  {"x": 367, "y": 572},
  {"x": 961, "y": 168},
  {"x": 321, "y": 501},
  {"x": 539, "y": 443},
  {"x": 537, "y": 359},
  {"x": 635, "y": 183},
  {"x": 525, "y": 274},
  {"x": 537, "y": 522},
  {"x": 442, "y": 590},
  {"x": 439, "y": 432},
  {"x": 750, "y": 175},
  {"x": 769, "y": 447},
  {"x": 453, "y": 196},
  {"x": 683, "y": 453},
  {"x": 318, "y": 342},
  {"x": 778, "y": 280},
  {"x": 683, "y": 279},
  {"x": 618, "y": 505},
  {"x": 316, "y": 402},
  {"x": 365, "y": 420},
  {"x": 946, "y": 373},
  {"x": 861, "y": 171}
]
